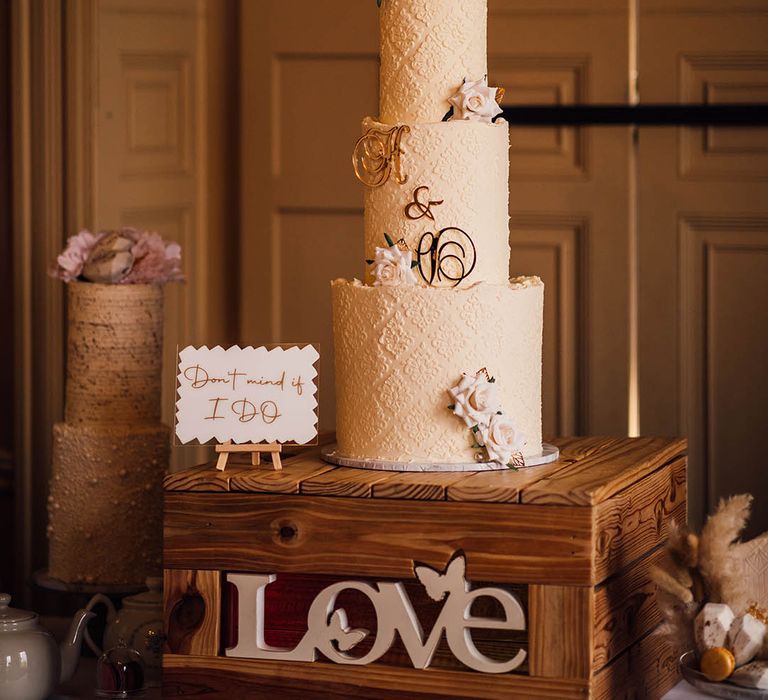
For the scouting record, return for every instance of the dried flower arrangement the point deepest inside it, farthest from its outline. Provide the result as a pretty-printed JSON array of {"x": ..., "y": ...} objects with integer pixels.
[
  {"x": 127, "y": 256},
  {"x": 706, "y": 599}
]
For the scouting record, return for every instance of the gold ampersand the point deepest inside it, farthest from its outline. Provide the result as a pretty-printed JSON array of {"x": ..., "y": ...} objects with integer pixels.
[
  {"x": 416, "y": 210},
  {"x": 377, "y": 153}
]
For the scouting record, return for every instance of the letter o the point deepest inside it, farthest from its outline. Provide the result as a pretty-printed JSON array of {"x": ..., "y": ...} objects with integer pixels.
[{"x": 320, "y": 612}]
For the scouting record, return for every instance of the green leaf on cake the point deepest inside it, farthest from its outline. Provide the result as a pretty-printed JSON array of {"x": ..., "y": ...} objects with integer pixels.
[
  {"x": 476, "y": 446},
  {"x": 389, "y": 241},
  {"x": 452, "y": 407},
  {"x": 475, "y": 428},
  {"x": 414, "y": 263},
  {"x": 512, "y": 467}
]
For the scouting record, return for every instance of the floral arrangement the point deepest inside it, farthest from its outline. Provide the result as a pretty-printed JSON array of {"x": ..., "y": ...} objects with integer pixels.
[
  {"x": 476, "y": 102},
  {"x": 127, "y": 256},
  {"x": 706, "y": 599},
  {"x": 477, "y": 403},
  {"x": 393, "y": 265}
]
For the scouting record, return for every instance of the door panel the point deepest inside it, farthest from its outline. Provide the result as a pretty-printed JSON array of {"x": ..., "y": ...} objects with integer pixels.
[
  {"x": 569, "y": 190},
  {"x": 703, "y": 223}
]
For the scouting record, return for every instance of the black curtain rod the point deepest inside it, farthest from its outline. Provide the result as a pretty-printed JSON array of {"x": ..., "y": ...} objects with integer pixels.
[{"x": 641, "y": 115}]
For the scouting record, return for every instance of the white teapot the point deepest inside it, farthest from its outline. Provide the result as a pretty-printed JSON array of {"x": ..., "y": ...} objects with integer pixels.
[
  {"x": 31, "y": 663},
  {"x": 138, "y": 624}
]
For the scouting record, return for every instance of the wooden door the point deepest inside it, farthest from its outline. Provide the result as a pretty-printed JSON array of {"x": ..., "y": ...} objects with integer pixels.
[
  {"x": 309, "y": 76},
  {"x": 703, "y": 215},
  {"x": 569, "y": 200}
]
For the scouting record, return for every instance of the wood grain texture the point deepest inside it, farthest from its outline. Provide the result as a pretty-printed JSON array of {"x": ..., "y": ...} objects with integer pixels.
[
  {"x": 506, "y": 486},
  {"x": 636, "y": 520},
  {"x": 501, "y": 486},
  {"x": 418, "y": 486},
  {"x": 192, "y": 611},
  {"x": 645, "y": 671},
  {"x": 345, "y": 481},
  {"x": 286, "y": 480},
  {"x": 560, "y": 621},
  {"x": 574, "y": 449},
  {"x": 203, "y": 478},
  {"x": 625, "y": 609},
  {"x": 376, "y": 537},
  {"x": 596, "y": 478},
  {"x": 236, "y": 678}
]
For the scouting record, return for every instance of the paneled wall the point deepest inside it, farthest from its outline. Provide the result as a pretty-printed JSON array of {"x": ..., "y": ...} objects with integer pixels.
[
  {"x": 569, "y": 200},
  {"x": 704, "y": 246}
]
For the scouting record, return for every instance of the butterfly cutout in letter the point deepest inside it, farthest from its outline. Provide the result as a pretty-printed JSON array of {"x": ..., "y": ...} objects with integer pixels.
[
  {"x": 437, "y": 584},
  {"x": 340, "y": 632}
]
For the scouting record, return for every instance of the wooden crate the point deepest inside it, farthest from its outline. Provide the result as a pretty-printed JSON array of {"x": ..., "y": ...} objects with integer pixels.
[{"x": 574, "y": 538}]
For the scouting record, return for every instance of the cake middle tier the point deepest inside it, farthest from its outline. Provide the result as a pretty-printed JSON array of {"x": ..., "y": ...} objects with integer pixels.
[
  {"x": 400, "y": 349},
  {"x": 452, "y": 175}
]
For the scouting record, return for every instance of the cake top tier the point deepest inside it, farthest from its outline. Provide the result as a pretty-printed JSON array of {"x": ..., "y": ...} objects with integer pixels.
[{"x": 428, "y": 48}]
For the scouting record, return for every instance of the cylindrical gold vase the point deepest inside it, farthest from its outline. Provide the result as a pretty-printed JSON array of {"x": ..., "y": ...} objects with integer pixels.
[{"x": 110, "y": 454}]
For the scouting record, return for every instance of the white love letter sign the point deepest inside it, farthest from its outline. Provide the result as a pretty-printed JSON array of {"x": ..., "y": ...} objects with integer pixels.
[
  {"x": 247, "y": 394},
  {"x": 329, "y": 633}
]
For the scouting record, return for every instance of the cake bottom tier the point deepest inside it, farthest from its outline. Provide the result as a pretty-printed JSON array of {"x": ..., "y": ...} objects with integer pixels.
[
  {"x": 105, "y": 503},
  {"x": 400, "y": 349}
]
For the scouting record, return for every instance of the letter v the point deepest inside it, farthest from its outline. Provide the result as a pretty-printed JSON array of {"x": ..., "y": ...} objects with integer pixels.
[{"x": 403, "y": 619}]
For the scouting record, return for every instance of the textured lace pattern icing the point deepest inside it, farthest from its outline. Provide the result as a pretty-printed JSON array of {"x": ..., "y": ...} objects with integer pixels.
[
  {"x": 428, "y": 47},
  {"x": 399, "y": 349},
  {"x": 464, "y": 164}
]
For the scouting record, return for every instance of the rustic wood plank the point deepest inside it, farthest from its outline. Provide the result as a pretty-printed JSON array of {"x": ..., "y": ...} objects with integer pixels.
[
  {"x": 506, "y": 486},
  {"x": 501, "y": 486},
  {"x": 345, "y": 481},
  {"x": 625, "y": 609},
  {"x": 560, "y": 639},
  {"x": 377, "y": 537},
  {"x": 637, "y": 519},
  {"x": 286, "y": 480},
  {"x": 418, "y": 486},
  {"x": 204, "y": 477},
  {"x": 227, "y": 678},
  {"x": 645, "y": 671},
  {"x": 574, "y": 449},
  {"x": 192, "y": 611},
  {"x": 594, "y": 479}
]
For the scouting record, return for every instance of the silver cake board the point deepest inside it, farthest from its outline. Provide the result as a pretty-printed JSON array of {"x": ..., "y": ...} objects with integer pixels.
[{"x": 549, "y": 453}]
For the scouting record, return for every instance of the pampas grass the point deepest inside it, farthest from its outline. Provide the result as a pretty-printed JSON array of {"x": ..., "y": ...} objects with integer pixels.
[
  {"x": 697, "y": 570},
  {"x": 720, "y": 563}
]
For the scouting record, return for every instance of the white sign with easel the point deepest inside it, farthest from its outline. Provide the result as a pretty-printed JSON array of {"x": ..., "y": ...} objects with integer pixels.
[{"x": 248, "y": 400}]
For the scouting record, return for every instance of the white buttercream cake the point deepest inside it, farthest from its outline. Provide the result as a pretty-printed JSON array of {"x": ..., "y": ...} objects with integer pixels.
[{"x": 438, "y": 352}]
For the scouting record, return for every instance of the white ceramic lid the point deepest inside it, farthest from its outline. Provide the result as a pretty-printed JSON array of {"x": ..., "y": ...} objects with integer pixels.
[
  {"x": 12, "y": 616},
  {"x": 151, "y": 597}
]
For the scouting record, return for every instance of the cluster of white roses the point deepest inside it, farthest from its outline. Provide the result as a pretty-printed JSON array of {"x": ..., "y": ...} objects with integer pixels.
[
  {"x": 477, "y": 403},
  {"x": 475, "y": 101},
  {"x": 393, "y": 265}
]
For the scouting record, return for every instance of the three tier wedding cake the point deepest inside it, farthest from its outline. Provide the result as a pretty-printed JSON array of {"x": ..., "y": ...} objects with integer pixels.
[{"x": 438, "y": 352}]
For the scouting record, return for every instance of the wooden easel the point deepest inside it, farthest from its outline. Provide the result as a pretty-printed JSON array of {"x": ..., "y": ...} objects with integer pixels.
[{"x": 228, "y": 448}]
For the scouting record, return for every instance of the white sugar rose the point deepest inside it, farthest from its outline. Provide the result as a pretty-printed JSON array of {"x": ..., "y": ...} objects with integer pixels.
[
  {"x": 475, "y": 102},
  {"x": 475, "y": 399},
  {"x": 501, "y": 439},
  {"x": 392, "y": 267}
]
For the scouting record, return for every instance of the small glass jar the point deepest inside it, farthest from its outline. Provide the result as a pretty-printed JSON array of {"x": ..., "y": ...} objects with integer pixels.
[{"x": 120, "y": 673}]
